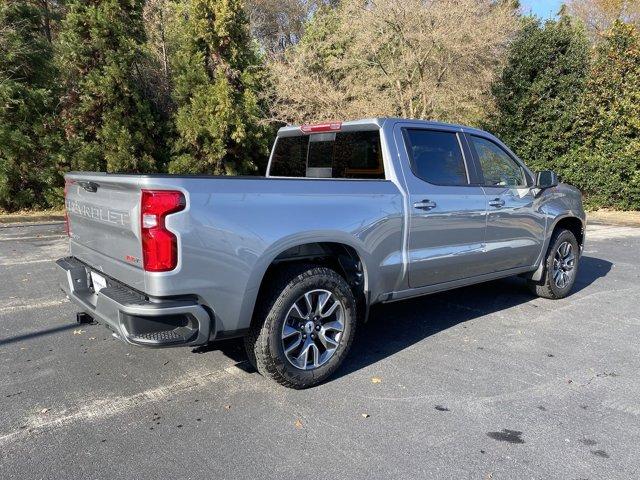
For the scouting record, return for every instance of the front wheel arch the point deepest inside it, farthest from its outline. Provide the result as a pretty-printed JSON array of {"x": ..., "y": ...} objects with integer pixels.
[
  {"x": 556, "y": 261},
  {"x": 575, "y": 225}
]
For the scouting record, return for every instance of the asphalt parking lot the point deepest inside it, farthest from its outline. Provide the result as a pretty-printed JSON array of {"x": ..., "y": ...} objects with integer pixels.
[{"x": 485, "y": 382}]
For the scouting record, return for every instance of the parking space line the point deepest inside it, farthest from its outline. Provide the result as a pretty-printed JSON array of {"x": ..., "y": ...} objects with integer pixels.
[
  {"x": 31, "y": 224},
  {"x": 108, "y": 407},
  {"x": 36, "y": 237},
  {"x": 605, "y": 232},
  {"x": 32, "y": 306},
  {"x": 25, "y": 262}
]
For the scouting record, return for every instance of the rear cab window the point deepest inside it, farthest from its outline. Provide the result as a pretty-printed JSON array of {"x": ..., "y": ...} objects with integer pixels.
[{"x": 351, "y": 155}]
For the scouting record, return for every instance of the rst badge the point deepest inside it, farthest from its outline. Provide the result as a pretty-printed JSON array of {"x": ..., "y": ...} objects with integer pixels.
[{"x": 132, "y": 259}]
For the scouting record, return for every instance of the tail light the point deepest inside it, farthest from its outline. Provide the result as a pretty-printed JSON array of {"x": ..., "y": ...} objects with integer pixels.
[
  {"x": 66, "y": 215},
  {"x": 159, "y": 245}
]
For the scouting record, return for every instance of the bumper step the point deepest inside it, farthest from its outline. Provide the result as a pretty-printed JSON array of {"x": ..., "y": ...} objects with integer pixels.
[
  {"x": 177, "y": 335},
  {"x": 152, "y": 322}
]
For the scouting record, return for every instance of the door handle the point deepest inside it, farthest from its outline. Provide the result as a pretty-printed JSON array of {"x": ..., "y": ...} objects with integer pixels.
[
  {"x": 425, "y": 205},
  {"x": 496, "y": 202}
]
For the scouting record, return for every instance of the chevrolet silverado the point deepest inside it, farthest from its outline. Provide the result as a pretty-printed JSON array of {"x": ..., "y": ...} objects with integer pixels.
[{"x": 348, "y": 215}]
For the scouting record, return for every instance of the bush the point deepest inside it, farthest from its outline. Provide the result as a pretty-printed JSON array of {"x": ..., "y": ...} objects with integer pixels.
[
  {"x": 605, "y": 164},
  {"x": 27, "y": 174},
  {"x": 538, "y": 93}
]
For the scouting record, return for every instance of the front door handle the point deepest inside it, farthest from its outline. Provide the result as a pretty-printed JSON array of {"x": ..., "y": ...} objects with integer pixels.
[
  {"x": 496, "y": 202},
  {"x": 425, "y": 205}
]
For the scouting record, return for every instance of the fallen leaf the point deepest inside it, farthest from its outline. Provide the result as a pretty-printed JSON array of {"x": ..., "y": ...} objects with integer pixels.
[
  {"x": 44, "y": 410},
  {"x": 365, "y": 415},
  {"x": 298, "y": 424},
  {"x": 376, "y": 380}
]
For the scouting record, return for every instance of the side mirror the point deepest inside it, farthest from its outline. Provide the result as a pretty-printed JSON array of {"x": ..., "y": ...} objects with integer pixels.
[{"x": 546, "y": 179}]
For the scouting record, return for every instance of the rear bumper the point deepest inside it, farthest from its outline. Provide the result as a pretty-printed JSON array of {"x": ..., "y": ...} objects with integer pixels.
[{"x": 151, "y": 322}]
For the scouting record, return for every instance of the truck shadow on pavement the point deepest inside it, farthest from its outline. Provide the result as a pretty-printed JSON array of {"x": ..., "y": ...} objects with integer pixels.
[
  {"x": 407, "y": 322},
  {"x": 39, "y": 333}
]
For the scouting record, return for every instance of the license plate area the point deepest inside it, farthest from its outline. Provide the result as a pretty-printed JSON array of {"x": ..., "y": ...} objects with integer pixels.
[{"x": 98, "y": 282}]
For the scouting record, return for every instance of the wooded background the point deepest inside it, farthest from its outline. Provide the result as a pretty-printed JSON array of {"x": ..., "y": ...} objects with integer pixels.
[{"x": 200, "y": 86}]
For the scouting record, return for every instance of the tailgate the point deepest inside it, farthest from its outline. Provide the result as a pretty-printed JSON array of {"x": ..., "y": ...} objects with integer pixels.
[{"x": 104, "y": 224}]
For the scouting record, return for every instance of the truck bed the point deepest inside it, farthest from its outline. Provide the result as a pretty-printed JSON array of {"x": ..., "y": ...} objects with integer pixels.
[{"x": 229, "y": 232}]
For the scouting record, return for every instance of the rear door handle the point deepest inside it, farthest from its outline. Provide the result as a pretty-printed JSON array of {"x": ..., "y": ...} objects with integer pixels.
[
  {"x": 496, "y": 202},
  {"x": 425, "y": 205}
]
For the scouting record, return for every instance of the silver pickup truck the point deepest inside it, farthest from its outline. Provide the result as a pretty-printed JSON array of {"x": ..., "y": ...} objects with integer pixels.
[{"x": 349, "y": 214}]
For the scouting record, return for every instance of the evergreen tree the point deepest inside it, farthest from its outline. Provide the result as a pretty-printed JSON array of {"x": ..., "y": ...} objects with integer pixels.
[
  {"x": 27, "y": 176},
  {"x": 108, "y": 121},
  {"x": 540, "y": 88},
  {"x": 606, "y": 164},
  {"x": 217, "y": 76}
]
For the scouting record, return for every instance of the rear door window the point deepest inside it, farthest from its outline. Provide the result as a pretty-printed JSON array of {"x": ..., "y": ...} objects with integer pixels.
[
  {"x": 436, "y": 157},
  {"x": 356, "y": 155}
]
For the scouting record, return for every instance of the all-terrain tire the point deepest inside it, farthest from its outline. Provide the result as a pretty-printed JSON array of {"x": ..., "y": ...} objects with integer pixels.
[
  {"x": 547, "y": 287},
  {"x": 264, "y": 343}
]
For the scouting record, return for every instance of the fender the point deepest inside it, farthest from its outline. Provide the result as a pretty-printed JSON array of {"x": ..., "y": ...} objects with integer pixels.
[
  {"x": 284, "y": 244},
  {"x": 538, "y": 273}
]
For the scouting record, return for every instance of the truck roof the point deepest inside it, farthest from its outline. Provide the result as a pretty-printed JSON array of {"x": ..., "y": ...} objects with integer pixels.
[{"x": 365, "y": 124}]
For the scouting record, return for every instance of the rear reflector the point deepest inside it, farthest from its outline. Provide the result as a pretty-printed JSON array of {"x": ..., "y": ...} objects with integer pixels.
[
  {"x": 321, "y": 127},
  {"x": 159, "y": 245}
]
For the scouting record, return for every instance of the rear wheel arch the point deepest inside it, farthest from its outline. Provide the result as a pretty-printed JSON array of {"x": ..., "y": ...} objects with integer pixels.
[{"x": 338, "y": 256}]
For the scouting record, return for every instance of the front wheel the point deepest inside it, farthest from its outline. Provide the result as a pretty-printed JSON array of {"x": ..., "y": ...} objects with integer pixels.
[
  {"x": 304, "y": 327},
  {"x": 561, "y": 267}
]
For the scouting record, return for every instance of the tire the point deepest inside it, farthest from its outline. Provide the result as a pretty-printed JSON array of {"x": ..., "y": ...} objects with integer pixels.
[
  {"x": 550, "y": 287},
  {"x": 283, "y": 318}
]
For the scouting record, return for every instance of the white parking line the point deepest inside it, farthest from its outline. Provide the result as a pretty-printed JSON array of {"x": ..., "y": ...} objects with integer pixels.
[
  {"x": 30, "y": 224},
  {"x": 32, "y": 306},
  {"x": 40, "y": 237},
  {"x": 605, "y": 232},
  {"x": 107, "y": 407},
  {"x": 25, "y": 262}
]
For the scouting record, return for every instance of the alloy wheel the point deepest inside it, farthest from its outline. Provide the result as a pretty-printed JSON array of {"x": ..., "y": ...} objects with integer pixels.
[
  {"x": 564, "y": 262},
  {"x": 312, "y": 329}
]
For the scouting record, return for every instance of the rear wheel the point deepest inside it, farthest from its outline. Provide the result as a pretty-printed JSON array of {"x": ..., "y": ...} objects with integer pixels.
[
  {"x": 304, "y": 328},
  {"x": 561, "y": 266}
]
